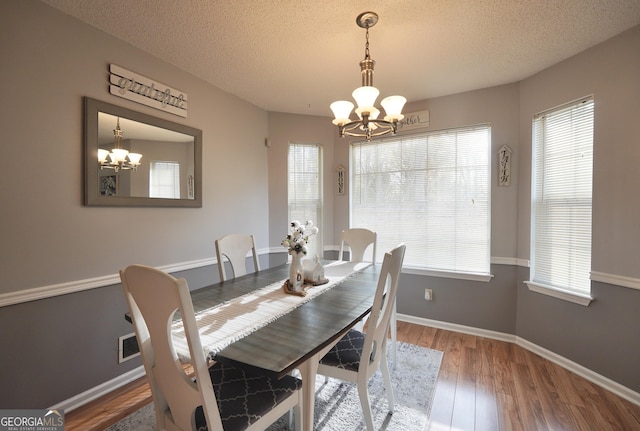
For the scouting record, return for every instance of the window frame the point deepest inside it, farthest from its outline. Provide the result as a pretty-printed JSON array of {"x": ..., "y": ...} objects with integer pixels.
[
  {"x": 175, "y": 169},
  {"x": 408, "y": 267},
  {"x": 549, "y": 173},
  {"x": 316, "y": 243}
]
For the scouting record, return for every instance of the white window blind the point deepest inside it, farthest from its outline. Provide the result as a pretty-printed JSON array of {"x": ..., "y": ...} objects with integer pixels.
[
  {"x": 305, "y": 190},
  {"x": 561, "y": 197},
  {"x": 164, "y": 180},
  {"x": 430, "y": 191}
]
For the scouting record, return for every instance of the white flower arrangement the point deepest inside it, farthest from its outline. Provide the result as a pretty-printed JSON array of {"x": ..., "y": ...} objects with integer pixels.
[{"x": 297, "y": 240}]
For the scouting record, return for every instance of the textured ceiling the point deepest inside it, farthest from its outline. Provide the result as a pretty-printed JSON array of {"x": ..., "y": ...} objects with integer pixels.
[{"x": 298, "y": 56}]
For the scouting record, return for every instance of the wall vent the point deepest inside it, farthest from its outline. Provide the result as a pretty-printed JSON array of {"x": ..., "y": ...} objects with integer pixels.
[{"x": 127, "y": 347}]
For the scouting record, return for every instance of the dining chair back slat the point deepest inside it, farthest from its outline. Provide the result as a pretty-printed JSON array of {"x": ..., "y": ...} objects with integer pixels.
[
  {"x": 235, "y": 248},
  {"x": 358, "y": 240}
]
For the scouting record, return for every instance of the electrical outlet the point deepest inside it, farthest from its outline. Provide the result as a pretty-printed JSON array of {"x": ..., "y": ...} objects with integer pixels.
[{"x": 428, "y": 294}]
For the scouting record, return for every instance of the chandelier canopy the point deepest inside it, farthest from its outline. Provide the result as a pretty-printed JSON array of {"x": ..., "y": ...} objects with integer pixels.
[
  {"x": 367, "y": 125},
  {"x": 118, "y": 158}
]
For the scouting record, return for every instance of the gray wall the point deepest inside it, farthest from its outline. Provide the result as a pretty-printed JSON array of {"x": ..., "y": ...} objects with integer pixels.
[
  {"x": 604, "y": 337},
  {"x": 53, "y": 349},
  {"x": 49, "y": 238},
  {"x": 55, "y": 60}
]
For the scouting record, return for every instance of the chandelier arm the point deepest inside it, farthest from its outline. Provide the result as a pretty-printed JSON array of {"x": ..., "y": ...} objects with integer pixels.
[
  {"x": 121, "y": 166},
  {"x": 380, "y": 123},
  {"x": 351, "y": 129},
  {"x": 381, "y": 132},
  {"x": 384, "y": 132}
]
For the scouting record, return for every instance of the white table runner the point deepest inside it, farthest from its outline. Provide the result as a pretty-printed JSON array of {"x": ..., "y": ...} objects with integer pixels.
[{"x": 223, "y": 324}]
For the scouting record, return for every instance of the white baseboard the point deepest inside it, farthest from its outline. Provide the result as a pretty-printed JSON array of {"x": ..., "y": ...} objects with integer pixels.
[
  {"x": 501, "y": 336},
  {"x": 100, "y": 390},
  {"x": 602, "y": 381}
]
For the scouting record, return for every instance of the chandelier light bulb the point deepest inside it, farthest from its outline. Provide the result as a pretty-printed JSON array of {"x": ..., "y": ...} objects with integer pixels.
[
  {"x": 372, "y": 111},
  {"x": 393, "y": 107},
  {"x": 134, "y": 158},
  {"x": 102, "y": 155},
  {"x": 341, "y": 110},
  {"x": 118, "y": 155},
  {"x": 366, "y": 96}
]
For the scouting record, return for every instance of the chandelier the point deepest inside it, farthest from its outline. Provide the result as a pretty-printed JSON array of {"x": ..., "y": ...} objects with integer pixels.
[
  {"x": 118, "y": 158},
  {"x": 368, "y": 125}
]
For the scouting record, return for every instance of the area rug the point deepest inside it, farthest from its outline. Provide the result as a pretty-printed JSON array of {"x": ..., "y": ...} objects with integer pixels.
[{"x": 337, "y": 406}]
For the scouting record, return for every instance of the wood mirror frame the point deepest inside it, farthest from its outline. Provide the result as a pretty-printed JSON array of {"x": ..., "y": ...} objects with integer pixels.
[{"x": 93, "y": 196}]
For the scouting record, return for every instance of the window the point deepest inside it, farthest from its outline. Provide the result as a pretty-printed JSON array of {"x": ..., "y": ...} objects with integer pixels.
[
  {"x": 561, "y": 200},
  {"x": 430, "y": 191},
  {"x": 305, "y": 189},
  {"x": 164, "y": 180}
]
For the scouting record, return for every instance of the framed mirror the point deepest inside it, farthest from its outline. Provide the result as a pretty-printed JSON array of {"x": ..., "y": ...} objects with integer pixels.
[{"x": 134, "y": 159}]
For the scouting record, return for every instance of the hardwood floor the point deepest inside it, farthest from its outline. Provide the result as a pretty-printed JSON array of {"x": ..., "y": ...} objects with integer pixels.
[{"x": 483, "y": 384}]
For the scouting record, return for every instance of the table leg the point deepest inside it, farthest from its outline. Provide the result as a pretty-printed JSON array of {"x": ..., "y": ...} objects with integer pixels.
[{"x": 308, "y": 371}]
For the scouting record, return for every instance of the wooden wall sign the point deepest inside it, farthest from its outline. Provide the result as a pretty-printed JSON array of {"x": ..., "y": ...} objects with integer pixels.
[
  {"x": 340, "y": 179},
  {"x": 504, "y": 166},
  {"x": 132, "y": 86},
  {"x": 414, "y": 120}
]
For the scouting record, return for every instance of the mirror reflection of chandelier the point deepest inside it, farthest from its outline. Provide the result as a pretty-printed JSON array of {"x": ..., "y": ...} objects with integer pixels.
[
  {"x": 367, "y": 125},
  {"x": 118, "y": 158}
]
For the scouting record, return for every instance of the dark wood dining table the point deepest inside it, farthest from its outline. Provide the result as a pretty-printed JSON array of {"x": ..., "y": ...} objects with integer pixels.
[{"x": 298, "y": 339}]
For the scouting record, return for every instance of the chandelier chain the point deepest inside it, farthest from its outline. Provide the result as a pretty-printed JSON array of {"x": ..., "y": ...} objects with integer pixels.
[
  {"x": 117, "y": 135},
  {"x": 366, "y": 45}
]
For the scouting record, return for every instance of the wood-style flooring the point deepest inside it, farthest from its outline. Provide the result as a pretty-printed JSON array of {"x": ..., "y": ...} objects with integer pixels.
[{"x": 483, "y": 384}]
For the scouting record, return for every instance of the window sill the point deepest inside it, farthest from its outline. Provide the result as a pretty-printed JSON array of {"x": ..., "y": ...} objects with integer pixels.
[
  {"x": 576, "y": 298},
  {"x": 448, "y": 274}
]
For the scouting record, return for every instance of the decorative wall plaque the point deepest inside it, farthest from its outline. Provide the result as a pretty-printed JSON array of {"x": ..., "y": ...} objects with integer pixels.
[
  {"x": 504, "y": 166},
  {"x": 414, "y": 120},
  {"x": 132, "y": 86},
  {"x": 340, "y": 179}
]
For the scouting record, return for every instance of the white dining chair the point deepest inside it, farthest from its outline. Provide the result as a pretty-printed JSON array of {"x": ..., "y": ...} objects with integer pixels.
[
  {"x": 234, "y": 248},
  {"x": 358, "y": 240},
  {"x": 357, "y": 356},
  {"x": 222, "y": 396}
]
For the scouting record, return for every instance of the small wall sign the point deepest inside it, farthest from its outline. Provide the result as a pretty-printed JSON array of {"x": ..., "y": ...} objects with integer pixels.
[
  {"x": 414, "y": 120},
  {"x": 129, "y": 85},
  {"x": 504, "y": 166},
  {"x": 340, "y": 179}
]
